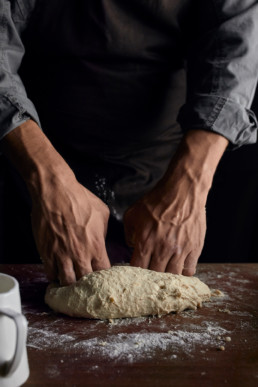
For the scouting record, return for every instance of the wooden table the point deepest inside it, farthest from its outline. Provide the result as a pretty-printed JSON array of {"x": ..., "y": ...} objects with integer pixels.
[{"x": 176, "y": 350}]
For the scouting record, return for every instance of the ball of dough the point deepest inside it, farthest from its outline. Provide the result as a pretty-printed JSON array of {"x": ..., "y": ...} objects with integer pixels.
[{"x": 126, "y": 291}]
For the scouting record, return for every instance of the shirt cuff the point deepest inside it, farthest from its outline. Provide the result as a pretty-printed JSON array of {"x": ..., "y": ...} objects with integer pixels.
[
  {"x": 13, "y": 113},
  {"x": 220, "y": 115}
]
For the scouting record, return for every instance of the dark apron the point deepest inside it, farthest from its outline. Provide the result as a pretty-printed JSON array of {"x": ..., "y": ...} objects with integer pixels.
[{"x": 107, "y": 83}]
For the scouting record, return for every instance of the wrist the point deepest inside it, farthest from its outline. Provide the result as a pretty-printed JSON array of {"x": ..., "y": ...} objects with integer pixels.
[
  {"x": 52, "y": 175},
  {"x": 190, "y": 172},
  {"x": 196, "y": 160}
]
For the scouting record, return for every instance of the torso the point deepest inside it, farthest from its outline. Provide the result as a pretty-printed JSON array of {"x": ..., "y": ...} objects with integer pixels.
[{"x": 107, "y": 80}]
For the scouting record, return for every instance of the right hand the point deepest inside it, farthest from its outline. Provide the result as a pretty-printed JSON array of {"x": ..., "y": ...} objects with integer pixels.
[
  {"x": 69, "y": 226},
  {"x": 69, "y": 222}
]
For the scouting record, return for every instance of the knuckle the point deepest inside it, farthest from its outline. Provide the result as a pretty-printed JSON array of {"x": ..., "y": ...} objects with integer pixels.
[
  {"x": 139, "y": 261},
  {"x": 158, "y": 264},
  {"x": 163, "y": 258},
  {"x": 193, "y": 257},
  {"x": 98, "y": 259},
  {"x": 64, "y": 265},
  {"x": 177, "y": 250},
  {"x": 142, "y": 251},
  {"x": 164, "y": 245},
  {"x": 175, "y": 266}
]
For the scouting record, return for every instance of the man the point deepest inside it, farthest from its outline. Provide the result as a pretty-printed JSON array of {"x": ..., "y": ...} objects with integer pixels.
[{"x": 107, "y": 81}]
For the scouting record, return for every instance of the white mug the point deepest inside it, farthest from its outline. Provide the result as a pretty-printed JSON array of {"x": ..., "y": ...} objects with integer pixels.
[{"x": 14, "y": 368}]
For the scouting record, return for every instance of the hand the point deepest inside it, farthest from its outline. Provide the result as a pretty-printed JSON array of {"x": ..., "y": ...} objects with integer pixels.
[
  {"x": 167, "y": 231},
  {"x": 69, "y": 226},
  {"x": 167, "y": 226},
  {"x": 69, "y": 222}
]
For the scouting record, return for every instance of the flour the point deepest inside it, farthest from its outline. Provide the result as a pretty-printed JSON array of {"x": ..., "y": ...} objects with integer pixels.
[
  {"x": 175, "y": 337},
  {"x": 107, "y": 195},
  {"x": 130, "y": 347},
  {"x": 138, "y": 346},
  {"x": 44, "y": 338},
  {"x": 102, "y": 189},
  {"x": 110, "y": 343}
]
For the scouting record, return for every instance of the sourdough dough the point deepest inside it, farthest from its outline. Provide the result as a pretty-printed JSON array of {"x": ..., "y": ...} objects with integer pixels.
[{"x": 126, "y": 291}]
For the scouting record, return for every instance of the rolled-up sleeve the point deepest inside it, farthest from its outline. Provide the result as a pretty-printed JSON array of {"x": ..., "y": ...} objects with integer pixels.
[
  {"x": 222, "y": 70},
  {"x": 15, "y": 106}
]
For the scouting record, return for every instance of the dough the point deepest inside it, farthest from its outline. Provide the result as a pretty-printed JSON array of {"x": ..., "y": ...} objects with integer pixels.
[{"x": 126, "y": 291}]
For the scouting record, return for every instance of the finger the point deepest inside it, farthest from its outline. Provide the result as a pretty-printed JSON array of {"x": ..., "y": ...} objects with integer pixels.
[
  {"x": 101, "y": 263},
  {"x": 162, "y": 255},
  {"x": 50, "y": 268},
  {"x": 175, "y": 264},
  {"x": 141, "y": 257},
  {"x": 129, "y": 236},
  {"x": 66, "y": 273},
  {"x": 190, "y": 263},
  {"x": 82, "y": 267},
  {"x": 159, "y": 260}
]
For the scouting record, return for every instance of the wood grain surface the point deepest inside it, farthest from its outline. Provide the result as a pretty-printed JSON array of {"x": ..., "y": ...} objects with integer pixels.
[{"x": 176, "y": 350}]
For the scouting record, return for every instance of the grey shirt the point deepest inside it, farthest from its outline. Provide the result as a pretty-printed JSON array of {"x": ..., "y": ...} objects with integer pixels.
[{"x": 115, "y": 83}]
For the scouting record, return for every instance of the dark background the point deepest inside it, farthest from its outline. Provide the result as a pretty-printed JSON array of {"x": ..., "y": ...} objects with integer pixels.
[{"x": 232, "y": 213}]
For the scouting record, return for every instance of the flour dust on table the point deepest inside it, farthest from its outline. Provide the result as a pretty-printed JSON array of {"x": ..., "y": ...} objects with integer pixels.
[{"x": 126, "y": 291}]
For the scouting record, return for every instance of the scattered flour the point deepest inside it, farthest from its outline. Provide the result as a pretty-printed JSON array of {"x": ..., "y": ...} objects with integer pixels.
[
  {"x": 174, "y": 337},
  {"x": 45, "y": 338},
  {"x": 129, "y": 347},
  {"x": 137, "y": 346}
]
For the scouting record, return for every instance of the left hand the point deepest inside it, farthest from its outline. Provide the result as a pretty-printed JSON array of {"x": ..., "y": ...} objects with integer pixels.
[
  {"x": 167, "y": 229},
  {"x": 167, "y": 226}
]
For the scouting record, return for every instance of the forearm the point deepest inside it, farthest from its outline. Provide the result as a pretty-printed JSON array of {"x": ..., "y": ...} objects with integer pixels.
[
  {"x": 167, "y": 226},
  {"x": 69, "y": 223},
  {"x": 34, "y": 157},
  {"x": 195, "y": 161}
]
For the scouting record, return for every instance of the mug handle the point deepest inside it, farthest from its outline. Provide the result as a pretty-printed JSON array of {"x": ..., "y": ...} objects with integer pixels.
[{"x": 21, "y": 336}]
